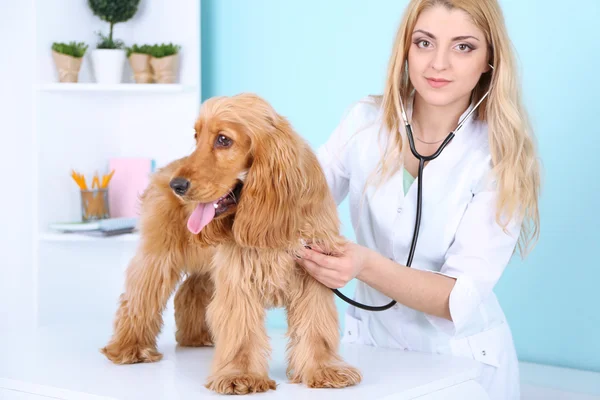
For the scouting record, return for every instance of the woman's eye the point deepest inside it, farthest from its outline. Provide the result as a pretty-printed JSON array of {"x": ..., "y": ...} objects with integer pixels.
[
  {"x": 465, "y": 48},
  {"x": 423, "y": 43},
  {"x": 223, "y": 141}
]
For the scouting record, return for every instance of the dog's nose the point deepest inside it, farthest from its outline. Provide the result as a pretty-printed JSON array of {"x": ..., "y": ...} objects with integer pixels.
[{"x": 180, "y": 185}]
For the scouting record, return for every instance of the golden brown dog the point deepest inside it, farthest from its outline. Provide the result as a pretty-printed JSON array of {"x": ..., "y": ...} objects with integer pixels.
[{"x": 232, "y": 217}]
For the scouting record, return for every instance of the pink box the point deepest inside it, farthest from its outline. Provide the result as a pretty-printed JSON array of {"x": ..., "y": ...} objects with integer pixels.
[{"x": 129, "y": 181}]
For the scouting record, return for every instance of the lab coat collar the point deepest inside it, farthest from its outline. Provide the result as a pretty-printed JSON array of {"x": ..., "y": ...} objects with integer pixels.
[{"x": 450, "y": 155}]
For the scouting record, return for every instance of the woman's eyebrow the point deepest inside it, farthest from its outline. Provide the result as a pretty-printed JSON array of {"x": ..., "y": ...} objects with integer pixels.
[{"x": 431, "y": 35}]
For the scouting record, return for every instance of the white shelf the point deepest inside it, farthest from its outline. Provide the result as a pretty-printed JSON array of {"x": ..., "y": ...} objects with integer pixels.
[
  {"x": 121, "y": 87},
  {"x": 79, "y": 237}
]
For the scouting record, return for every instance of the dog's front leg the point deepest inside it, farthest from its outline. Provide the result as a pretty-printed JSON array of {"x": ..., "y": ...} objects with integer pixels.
[
  {"x": 314, "y": 337},
  {"x": 150, "y": 281},
  {"x": 236, "y": 318}
]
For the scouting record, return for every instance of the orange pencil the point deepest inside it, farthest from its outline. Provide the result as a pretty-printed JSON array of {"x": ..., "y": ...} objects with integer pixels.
[
  {"x": 107, "y": 179},
  {"x": 96, "y": 182},
  {"x": 79, "y": 179}
]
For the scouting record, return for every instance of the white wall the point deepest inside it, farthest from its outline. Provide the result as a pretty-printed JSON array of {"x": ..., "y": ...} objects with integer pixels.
[
  {"x": 16, "y": 112},
  {"x": 69, "y": 280}
]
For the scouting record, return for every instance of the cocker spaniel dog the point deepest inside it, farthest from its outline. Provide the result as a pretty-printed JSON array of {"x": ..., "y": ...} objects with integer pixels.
[{"x": 231, "y": 217}]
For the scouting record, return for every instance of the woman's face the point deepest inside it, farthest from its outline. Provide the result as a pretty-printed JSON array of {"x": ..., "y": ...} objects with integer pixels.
[{"x": 447, "y": 56}]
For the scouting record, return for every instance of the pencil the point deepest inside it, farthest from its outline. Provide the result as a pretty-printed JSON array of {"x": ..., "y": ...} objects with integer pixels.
[
  {"x": 79, "y": 179},
  {"x": 96, "y": 182},
  {"x": 107, "y": 178}
]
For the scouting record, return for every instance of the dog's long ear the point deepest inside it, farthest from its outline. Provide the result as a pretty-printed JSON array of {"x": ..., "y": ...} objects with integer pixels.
[{"x": 268, "y": 215}]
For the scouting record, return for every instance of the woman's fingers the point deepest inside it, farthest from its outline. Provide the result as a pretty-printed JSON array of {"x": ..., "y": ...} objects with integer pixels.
[
  {"x": 321, "y": 259},
  {"x": 311, "y": 268},
  {"x": 328, "y": 277}
]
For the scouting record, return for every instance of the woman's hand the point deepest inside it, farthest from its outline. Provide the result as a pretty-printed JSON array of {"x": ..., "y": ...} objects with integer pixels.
[{"x": 336, "y": 271}]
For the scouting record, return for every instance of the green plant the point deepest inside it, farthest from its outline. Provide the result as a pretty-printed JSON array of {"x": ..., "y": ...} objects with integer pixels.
[
  {"x": 73, "y": 49},
  {"x": 164, "y": 50},
  {"x": 105, "y": 42},
  {"x": 143, "y": 49},
  {"x": 113, "y": 12}
]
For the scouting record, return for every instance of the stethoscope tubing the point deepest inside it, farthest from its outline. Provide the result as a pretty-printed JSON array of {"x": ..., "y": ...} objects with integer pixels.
[{"x": 422, "y": 160}]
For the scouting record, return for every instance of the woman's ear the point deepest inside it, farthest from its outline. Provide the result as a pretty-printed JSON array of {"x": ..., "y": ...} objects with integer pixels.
[{"x": 268, "y": 213}]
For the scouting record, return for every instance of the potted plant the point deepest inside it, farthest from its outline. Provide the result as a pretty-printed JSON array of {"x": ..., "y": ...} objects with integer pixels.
[
  {"x": 108, "y": 59},
  {"x": 165, "y": 62},
  {"x": 67, "y": 58},
  {"x": 139, "y": 60}
]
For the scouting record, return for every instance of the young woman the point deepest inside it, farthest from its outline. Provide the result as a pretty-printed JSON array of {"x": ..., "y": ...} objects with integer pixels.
[{"x": 480, "y": 196}]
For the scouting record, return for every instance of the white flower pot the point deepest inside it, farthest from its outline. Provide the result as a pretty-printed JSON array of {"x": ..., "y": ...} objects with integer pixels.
[{"x": 108, "y": 65}]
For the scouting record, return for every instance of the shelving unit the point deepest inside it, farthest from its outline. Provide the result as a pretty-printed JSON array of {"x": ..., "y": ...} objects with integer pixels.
[
  {"x": 81, "y": 126},
  {"x": 123, "y": 87},
  {"x": 77, "y": 237}
]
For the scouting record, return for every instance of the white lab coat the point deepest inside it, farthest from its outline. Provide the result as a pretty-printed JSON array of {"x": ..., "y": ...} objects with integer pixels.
[{"x": 458, "y": 237}]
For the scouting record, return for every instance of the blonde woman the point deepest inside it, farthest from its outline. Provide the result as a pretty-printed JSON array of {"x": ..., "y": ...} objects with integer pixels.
[{"x": 479, "y": 196}]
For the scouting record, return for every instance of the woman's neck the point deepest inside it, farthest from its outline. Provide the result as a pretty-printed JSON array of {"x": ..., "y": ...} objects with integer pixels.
[{"x": 433, "y": 123}]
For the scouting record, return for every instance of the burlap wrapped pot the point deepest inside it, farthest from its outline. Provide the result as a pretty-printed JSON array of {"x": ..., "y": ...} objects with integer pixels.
[
  {"x": 165, "y": 69},
  {"x": 67, "y": 66},
  {"x": 140, "y": 64}
]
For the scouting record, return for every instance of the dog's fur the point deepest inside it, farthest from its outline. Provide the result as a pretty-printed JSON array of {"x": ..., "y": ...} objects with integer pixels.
[{"x": 243, "y": 261}]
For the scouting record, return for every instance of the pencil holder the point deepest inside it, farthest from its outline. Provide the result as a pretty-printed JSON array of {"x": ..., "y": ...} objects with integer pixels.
[{"x": 94, "y": 204}]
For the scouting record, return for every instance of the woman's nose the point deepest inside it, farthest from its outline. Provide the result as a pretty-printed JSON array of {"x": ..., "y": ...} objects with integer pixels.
[{"x": 440, "y": 60}]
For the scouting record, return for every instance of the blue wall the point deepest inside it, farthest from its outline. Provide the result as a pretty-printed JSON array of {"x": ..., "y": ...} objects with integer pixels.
[{"x": 312, "y": 58}]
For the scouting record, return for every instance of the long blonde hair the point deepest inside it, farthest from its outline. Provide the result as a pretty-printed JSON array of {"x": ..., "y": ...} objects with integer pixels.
[{"x": 511, "y": 141}]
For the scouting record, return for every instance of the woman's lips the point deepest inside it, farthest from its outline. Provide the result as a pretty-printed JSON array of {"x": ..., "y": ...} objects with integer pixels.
[{"x": 437, "y": 83}]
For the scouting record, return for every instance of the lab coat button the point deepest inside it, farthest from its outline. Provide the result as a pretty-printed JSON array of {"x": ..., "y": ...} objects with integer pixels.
[
  {"x": 483, "y": 352},
  {"x": 399, "y": 209}
]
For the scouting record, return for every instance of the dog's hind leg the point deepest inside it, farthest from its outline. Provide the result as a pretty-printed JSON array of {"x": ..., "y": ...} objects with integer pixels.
[
  {"x": 191, "y": 301},
  {"x": 150, "y": 280},
  {"x": 313, "y": 334}
]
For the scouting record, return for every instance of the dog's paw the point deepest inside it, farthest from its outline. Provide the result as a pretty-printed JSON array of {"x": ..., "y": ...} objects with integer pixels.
[
  {"x": 130, "y": 354},
  {"x": 334, "y": 376},
  {"x": 200, "y": 340},
  {"x": 240, "y": 384}
]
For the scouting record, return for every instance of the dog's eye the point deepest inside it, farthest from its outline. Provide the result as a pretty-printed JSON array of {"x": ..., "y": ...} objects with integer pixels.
[{"x": 223, "y": 141}]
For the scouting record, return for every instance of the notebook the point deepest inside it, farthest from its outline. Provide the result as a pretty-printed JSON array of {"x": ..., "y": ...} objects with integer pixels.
[
  {"x": 129, "y": 181},
  {"x": 103, "y": 227}
]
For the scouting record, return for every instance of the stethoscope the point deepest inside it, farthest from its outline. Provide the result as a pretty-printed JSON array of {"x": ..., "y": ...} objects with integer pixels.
[{"x": 422, "y": 160}]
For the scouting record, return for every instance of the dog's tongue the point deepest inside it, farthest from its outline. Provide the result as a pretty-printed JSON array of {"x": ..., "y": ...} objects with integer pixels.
[{"x": 201, "y": 216}]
